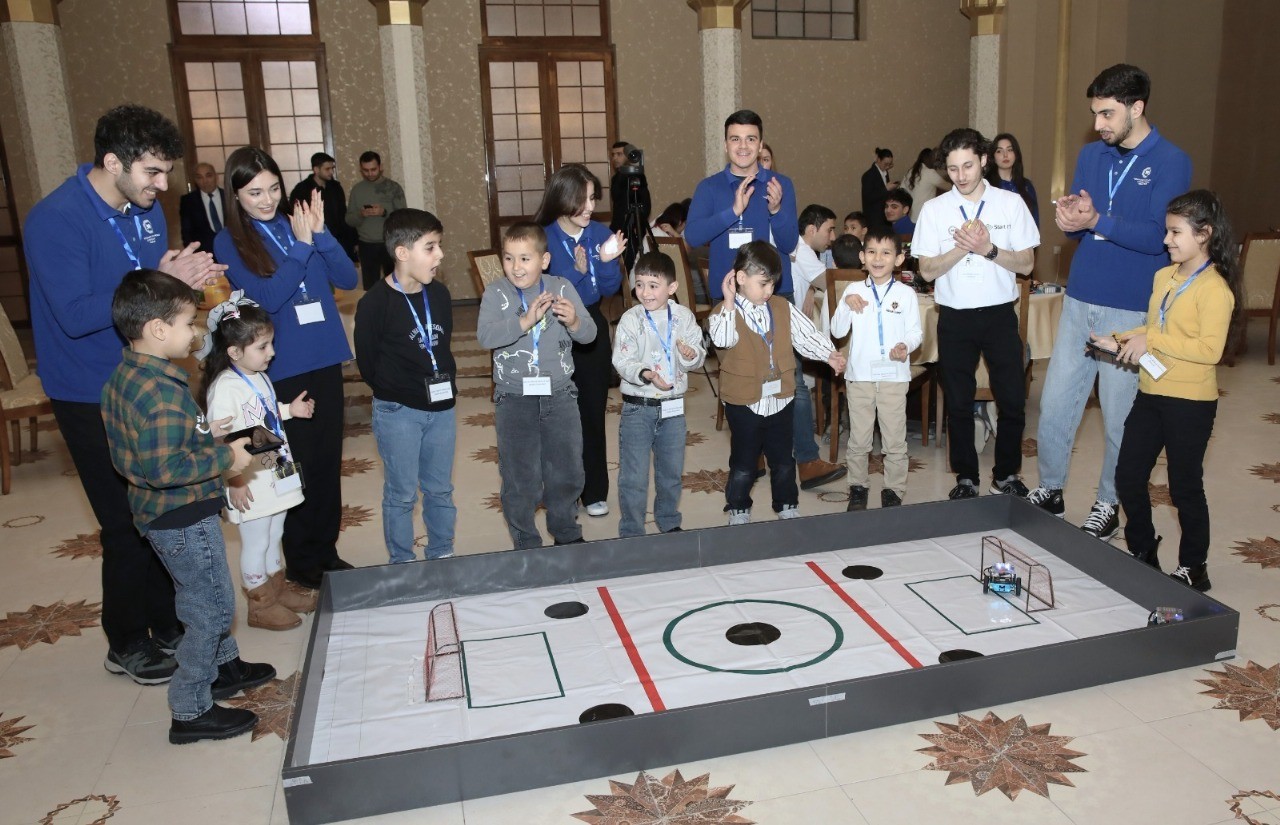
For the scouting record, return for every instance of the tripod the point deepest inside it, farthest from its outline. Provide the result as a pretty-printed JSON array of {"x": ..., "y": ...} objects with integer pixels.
[{"x": 634, "y": 226}]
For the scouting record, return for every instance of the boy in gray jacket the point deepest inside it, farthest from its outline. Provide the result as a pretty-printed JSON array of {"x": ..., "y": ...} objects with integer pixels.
[{"x": 531, "y": 322}]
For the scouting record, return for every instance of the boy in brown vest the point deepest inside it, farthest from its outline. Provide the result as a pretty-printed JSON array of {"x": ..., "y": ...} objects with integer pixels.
[{"x": 756, "y": 334}]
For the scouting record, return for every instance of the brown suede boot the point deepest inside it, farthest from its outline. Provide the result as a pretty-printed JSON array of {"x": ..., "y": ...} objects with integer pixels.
[
  {"x": 297, "y": 598},
  {"x": 266, "y": 612}
]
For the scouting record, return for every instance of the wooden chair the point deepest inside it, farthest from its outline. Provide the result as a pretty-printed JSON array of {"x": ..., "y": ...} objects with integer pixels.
[
  {"x": 486, "y": 266},
  {"x": 21, "y": 396},
  {"x": 674, "y": 249},
  {"x": 1260, "y": 265},
  {"x": 922, "y": 375}
]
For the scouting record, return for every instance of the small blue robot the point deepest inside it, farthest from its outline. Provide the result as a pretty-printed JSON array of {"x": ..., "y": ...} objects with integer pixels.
[{"x": 1001, "y": 578}]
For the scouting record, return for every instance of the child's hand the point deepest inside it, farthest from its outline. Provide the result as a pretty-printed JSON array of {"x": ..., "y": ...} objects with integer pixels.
[
  {"x": 656, "y": 379},
  {"x": 838, "y": 362},
  {"x": 856, "y": 302},
  {"x": 580, "y": 260},
  {"x": 219, "y": 428},
  {"x": 899, "y": 352},
  {"x": 537, "y": 309},
  {"x": 564, "y": 309},
  {"x": 240, "y": 457},
  {"x": 687, "y": 352},
  {"x": 620, "y": 246},
  {"x": 1133, "y": 348},
  {"x": 1105, "y": 342},
  {"x": 302, "y": 407},
  {"x": 241, "y": 497},
  {"x": 730, "y": 286}
]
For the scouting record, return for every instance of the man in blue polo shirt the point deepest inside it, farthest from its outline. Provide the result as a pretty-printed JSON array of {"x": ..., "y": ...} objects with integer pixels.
[
  {"x": 80, "y": 241},
  {"x": 746, "y": 202},
  {"x": 1124, "y": 182}
]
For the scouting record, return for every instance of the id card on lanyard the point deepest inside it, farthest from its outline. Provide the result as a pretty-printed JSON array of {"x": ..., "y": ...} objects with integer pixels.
[
  {"x": 287, "y": 472},
  {"x": 536, "y": 384},
  {"x": 1113, "y": 186},
  {"x": 740, "y": 235},
  {"x": 439, "y": 387},
  {"x": 972, "y": 268},
  {"x": 308, "y": 309},
  {"x": 883, "y": 369},
  {"x": 772, "y": 379}
]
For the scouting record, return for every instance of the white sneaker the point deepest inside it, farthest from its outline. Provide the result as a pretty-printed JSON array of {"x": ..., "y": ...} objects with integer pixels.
[
  {"x": 739, "y": 517},
  {"x": 598, "y": 509},
  {"x": 789, "y": 512}
]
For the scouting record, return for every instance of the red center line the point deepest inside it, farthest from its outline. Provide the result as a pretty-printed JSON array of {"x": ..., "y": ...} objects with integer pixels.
[
  {"x": 866, "y": 617},
  {"x": 642, "y": 672}
]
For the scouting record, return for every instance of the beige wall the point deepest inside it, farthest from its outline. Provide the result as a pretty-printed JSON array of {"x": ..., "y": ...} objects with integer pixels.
[
  {"x": 1245, "y": 172},
  {"x": 350, "y": 34}
]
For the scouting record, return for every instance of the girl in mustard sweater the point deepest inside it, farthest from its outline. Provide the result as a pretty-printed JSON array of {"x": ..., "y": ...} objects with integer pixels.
[{"x": 1192, "y": 306}]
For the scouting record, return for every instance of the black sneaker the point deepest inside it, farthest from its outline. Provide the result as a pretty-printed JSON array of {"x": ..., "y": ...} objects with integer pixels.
[
  {"x": 1048, "y": 500},
  {"x": 237, "y": 675},
  {"x": 168, "y": 640},
  {"x": 964, "y": 489},
  {"x": 1197, "y": 578},
  {"x": 888, "y": 498},
  {"x": 1103, "y": 521},
  {"x": 215, "y": 723},
  {"x": 857, "y": 499},
  {"x": 1152, "y": 557},
  {"x": 1011, "y": 486},
  {"x": 143, "y": 662}
]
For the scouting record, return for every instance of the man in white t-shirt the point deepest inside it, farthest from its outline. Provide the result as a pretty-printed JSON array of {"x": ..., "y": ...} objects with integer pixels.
[{"x": 971, "y": 241}]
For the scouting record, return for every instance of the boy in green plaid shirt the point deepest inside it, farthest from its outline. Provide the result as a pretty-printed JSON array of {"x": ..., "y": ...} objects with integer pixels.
[{"x": 162, "y": 445}]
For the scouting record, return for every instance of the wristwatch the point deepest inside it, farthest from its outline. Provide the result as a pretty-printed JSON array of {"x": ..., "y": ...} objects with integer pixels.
[{"x": 991, "y": 256}]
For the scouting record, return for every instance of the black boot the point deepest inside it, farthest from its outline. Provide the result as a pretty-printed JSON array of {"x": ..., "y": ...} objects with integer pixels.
[
  {"x": 857, "y": 499},
  {"x": 215, "y": 723},
  {"x": 1150, "y": 557},
  {"x": 237, "y": 675}
]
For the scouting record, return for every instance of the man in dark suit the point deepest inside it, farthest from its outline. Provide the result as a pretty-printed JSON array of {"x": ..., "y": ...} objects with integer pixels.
[
  {"x": 875, "y": 186},
  {"x": 203, "y": 210},
  {"x": 335, "y": 200}
]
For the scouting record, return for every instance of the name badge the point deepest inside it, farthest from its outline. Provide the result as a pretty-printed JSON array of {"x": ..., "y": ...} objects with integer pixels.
[
  {"x": 773, "y": 387},
  {"x": 738, "y": 237},
  {"x": 537, "y": 385},
  {"x": 971, "y": 269},
  {"x": 309, "y": 312},
  {"x": 1152, "y": 365},
  {"x": 288, "y": 476},
  {"x": 672, "y": 407},
  {"x": 439, "y": 389},
  {"x": 884, "y": 370}
]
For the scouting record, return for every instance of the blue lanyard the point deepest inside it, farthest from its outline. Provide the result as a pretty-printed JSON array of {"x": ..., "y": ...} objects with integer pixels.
[
  {"x": 569, "y": 246},
  {"x": 965, "y": 215},
  {"x": 879, "y": 316},
  {"x": 288, "y": 234},
  {"x": 535, "y": 331},
  {"x": 666, "y": 345},
  {"x": 767, "y": 335},
  {"x": 1113, "y": 185},
  {"x": 424, "y": 333},
  {"x": 128, "y": 249},
  {"x": 271, "y": 409},
  {"x": 1167, "y": 300}
]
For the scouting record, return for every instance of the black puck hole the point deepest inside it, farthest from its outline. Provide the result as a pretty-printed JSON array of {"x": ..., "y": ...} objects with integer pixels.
[
  {"x": 862, "y": 571},
  {"x": 601, "y": 712},
  {"x": 958, "y": 655},
  {"x": 753, "y": 633},
  {"x": 566, "y": 610}
]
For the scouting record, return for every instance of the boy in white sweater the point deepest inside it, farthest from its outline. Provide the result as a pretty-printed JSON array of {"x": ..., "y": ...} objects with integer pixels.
[
  {"x": 883, "y": 319},
  {"x": 657, "y": 343}
]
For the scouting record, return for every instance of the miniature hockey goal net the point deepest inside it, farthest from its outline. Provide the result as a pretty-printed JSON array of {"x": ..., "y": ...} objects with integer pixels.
[
  {"x": 442, "y": 664},
  {"x": 1037, "y": 581}
]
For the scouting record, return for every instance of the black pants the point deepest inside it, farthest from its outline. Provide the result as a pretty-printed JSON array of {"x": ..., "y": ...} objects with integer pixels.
[
  {"x": 963, "y": 336},
  {"x": 311, "y": 529},
  {"x": 592, "y": 366},
  {"x": 1181, "y": 427},
  {"x": 374, "y": 263},
  {"x": 749, "y": 436},
  {"x": 137, "y": 593}
]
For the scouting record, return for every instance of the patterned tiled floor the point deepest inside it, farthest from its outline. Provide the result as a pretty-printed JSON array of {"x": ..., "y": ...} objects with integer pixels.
[{"x": 78, "y": 745}]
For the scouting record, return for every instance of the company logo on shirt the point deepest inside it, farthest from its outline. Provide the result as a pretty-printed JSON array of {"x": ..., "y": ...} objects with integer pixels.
[
  {"x": 1145, "y": 177},
  {"x": 150, "y": 236},
  {"x": 999, "y": 226}
]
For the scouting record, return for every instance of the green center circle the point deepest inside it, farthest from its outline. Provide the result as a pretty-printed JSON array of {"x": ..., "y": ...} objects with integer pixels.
[{"x": 835, "y": 645}]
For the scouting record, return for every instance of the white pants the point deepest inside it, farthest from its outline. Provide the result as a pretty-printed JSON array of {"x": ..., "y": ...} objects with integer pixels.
[{"x": 260, "y": 549}]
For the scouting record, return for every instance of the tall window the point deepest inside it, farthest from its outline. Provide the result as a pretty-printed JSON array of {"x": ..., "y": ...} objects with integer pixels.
[
  {"x": 251, "y": 72},
  {"x": 13, "y": 270},
  {"x": 549, "y": 98}
]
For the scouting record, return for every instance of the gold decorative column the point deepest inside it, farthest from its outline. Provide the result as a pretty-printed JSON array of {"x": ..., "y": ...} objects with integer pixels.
[
  {"x": 32, "y": 46},
  {"x": 986, "y": 21},
  {"x": 720, "y": 33},
  {"x": 404, "y": 81}
]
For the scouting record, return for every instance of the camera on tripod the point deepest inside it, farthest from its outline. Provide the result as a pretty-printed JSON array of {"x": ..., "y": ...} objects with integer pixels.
[{"x": 635, "y": 161}]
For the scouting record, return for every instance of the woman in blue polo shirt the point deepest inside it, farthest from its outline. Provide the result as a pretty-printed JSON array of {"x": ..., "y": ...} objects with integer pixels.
[
  {"x": 290, "y": 266},
  {"x": 586, "y": 253}
]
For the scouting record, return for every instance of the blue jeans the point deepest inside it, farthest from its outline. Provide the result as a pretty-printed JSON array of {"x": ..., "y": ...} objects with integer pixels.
[
  {"x": 205, "y": 599},
  {"x": 540, "y": 461},
  {"x": 416, "y": 447},
  {"x": 804, "y": 444},
  {"x": 1068, "y": 384},
  {"x": 644, "y": 432}
]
